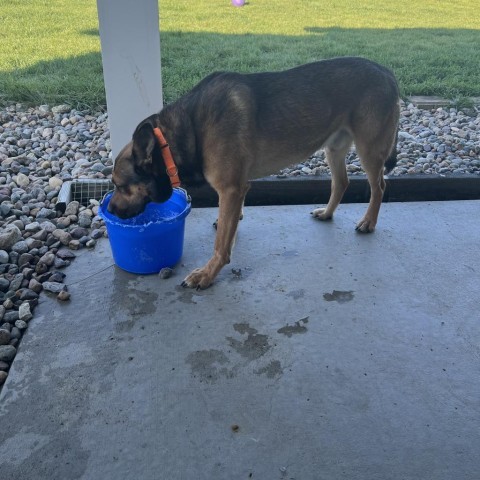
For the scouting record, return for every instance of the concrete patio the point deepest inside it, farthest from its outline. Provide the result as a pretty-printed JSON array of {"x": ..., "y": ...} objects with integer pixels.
[{"x": 318, "y": 354}]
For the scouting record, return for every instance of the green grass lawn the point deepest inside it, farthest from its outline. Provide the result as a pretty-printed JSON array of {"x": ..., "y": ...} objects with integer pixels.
[{"x": 50, "y": 50}]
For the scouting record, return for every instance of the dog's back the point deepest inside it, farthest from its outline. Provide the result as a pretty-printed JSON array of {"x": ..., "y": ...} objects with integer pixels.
[{"x": 286, "y": 116}]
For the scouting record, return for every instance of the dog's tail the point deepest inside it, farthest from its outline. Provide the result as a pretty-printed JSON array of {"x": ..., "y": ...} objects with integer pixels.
[{"x": 391, "y": 161}]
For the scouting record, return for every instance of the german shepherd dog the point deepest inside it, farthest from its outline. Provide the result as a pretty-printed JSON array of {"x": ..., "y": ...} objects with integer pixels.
[{"x": 232, "y": 127}]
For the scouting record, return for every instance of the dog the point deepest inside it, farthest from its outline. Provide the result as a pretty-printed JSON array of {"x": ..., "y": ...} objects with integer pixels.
[{"x": 231, "y": 128}]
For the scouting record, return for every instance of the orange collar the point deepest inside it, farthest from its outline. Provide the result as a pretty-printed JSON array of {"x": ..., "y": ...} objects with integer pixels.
[{"x": 172, "y": 170}]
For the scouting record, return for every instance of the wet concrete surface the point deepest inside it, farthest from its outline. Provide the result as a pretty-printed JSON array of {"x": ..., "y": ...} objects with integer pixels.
[{"x": 319, "y": 353}]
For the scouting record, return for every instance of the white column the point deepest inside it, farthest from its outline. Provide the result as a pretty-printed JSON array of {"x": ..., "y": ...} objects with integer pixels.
[{"x": 130, "y": 40}]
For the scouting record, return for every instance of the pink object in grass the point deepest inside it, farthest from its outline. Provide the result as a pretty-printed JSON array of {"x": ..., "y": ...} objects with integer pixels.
[{"x": 238, "y": 3}]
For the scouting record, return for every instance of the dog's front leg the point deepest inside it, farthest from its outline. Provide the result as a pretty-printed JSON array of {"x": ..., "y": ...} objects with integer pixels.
[{"x": 230, "y": 207}]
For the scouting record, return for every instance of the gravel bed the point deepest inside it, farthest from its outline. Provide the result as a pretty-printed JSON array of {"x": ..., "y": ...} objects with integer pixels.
[{"x": 41, "y": 148}]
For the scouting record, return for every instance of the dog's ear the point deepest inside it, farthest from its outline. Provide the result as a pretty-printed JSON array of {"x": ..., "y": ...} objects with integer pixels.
[{"x": 144, "y": 143}]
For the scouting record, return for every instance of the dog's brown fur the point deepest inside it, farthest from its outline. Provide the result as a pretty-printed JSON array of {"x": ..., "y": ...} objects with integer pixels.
[{"x": 232, "y": 128}]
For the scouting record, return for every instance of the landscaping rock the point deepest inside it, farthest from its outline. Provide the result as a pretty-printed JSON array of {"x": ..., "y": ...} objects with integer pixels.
[
  {"x": 24, "y": 312},
  {"x": 7, "y": 353},
  {"x": 21, "y": 325},
  {"x": 63, "y": 296},
  {"x": 9, "y": 236},
  {"x": 54, "y": 287},
  {"x": 4, "y": 337}
]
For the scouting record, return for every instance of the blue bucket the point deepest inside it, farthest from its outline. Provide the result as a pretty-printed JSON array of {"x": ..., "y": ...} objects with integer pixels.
[{"x": 152, "y": 240}]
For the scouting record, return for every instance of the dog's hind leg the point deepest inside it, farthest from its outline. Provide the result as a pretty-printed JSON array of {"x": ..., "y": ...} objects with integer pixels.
[
  {"x": 374, "y": 152},
  {"x": 372, "y": 158},
  {"x": 377, "y": 188},
  {"x": 336, "y": 150}
]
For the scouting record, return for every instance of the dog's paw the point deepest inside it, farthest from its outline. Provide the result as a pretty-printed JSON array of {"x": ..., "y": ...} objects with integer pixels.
[
  {"x": 365, "y": 226},
  {"x": 198, "y": 279},
  {"x": 321, "y": 214}
]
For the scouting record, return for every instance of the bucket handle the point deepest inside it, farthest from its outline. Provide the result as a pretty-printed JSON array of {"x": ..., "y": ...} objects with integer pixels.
[
  {"x": 187, "y": 196},
  {"x": 105, "y": 195}
]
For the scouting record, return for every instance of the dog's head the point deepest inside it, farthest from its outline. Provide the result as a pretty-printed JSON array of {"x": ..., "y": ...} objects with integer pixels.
[{"x": 139, "y": 174}]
